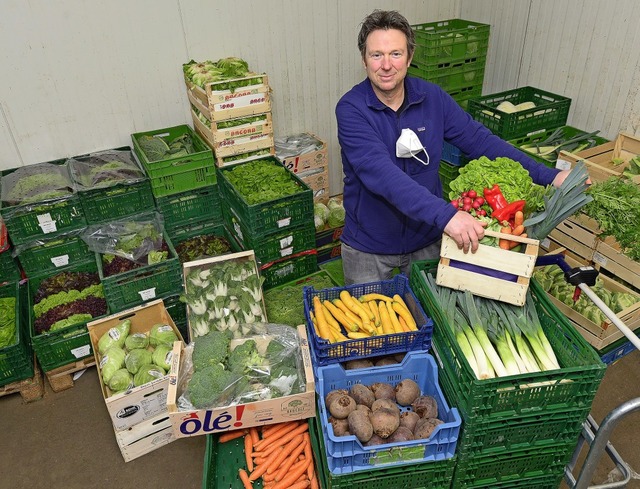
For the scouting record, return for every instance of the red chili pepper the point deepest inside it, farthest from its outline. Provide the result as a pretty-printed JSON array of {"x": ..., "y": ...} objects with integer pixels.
[
  {"x": 508, "y": 213},
  {"x": 494, "y": 197}
]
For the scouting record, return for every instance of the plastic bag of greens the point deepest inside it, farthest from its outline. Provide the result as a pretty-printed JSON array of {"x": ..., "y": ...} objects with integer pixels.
[
  {"x": 105, "y": 169},
  {"x": 36, "y": 183}
]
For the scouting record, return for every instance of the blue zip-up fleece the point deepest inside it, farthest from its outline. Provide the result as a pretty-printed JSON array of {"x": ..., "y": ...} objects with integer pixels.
[{"x": 394, "y": 205}]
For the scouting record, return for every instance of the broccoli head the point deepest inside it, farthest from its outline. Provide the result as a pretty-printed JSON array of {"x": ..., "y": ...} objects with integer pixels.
[
  {"x": 284, "y": 381},
  {"x": 244, "y": 358},
  {"x": 210, "y": 386},
  {"x": 278, "y": 354},
  {"x": 210, "y": 349}
]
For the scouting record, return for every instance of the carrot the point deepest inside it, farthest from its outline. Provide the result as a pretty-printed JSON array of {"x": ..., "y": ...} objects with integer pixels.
[
  {"x": 255, "y": 437},
  {"x": 284, "y": 468},
  {"x": 231, "y": 435},
  {"x": 308, "y": 453},
  {"x": 248, "y": 448},
  {"x": 506, "y": 230},
  {"x": 518, "y": 230},
  {"x": 518, "y": 219},
  {"x": 269, "y": 429},
  {"x": 293, "y": 475},
  {"x": 300, "y": 485},
  {"x": 286, "y": 438},
  {"x": 275, "y": 435},
  {"x": 285, "y": 453},
  {"x": 314, "y": 482},
  {"x": 245, "y": 479},
  {"x": 262, "y": 468}
]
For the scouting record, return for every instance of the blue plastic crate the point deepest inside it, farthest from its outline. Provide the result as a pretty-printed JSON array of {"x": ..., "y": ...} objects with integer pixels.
[
  {"x": 617, "y": 353},
  {"x": 452, "y": 154},
  {"x": 326, "y": 353},
  {"x": 345, "y": 454}
]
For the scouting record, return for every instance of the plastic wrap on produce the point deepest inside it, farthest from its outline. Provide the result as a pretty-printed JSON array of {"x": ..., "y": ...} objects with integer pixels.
[
  {"x": 36, "y": 183},
  {"x": 296, "y": 144},
  {"x": 105, "y": 169}
]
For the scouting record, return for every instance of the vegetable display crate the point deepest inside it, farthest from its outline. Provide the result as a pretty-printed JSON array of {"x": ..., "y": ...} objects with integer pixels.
[
  {"x": 245, "y": 157},
  {"x": 287, "y": 269},
  {"x": 217, "y": 103},
  {"x": 16, "y": 359},
  {"x": 451, "y": 76},
  {"x": 448, "y": 173},
  {"x": 328, "y": 353},
  {"x": 66, "y": 345},
  {"x": 616, "y": 351},
  {"x": 49, "y": 255},
  {"x": 334, "y": 269},
  {"x": 346, "y": 454},
  {"x": 121, "y": 200},
  {"x": 573, "y": 386},
  {"x": 464, "y": 95},
  {"x": 274, "y": 246},
  {"x": 434, "y": 475},
  {"x": 142, "y": 284},
  {"x": 178, "y": 312},
  {"x": 608, "y": 256},
  {"x": 191, "y": 206},
  {"x": 551, "y": 111},
  {"x": 544, "y": 466},
  {"x": 177, "y": 174},
  {"x": 183, "y": 233},
  {"x": 450, "y": 40},
  {"x": 270, "y": 216},
  {"x": 565, "y": 133},
  {"x": 9, "y": 271},
  {"x": 452, "y": 155}
]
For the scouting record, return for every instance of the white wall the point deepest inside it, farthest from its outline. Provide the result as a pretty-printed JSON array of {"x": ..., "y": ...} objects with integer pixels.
[{"x": 81, "y": 76}]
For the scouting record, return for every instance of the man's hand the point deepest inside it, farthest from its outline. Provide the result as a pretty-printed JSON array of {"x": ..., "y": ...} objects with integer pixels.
[
  {"x": 560, "y": 177},
  {"x": 465, "y": 230}
]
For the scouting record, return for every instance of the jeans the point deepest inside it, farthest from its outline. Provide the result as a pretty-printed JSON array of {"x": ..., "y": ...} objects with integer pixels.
[{"x": 360, "y": 267}]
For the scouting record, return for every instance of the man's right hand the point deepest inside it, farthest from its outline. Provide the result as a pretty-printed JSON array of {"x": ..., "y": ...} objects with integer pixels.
[{"x": 465, "y": 230}]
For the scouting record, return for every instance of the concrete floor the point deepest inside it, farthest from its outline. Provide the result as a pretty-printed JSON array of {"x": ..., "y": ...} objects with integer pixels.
[{"x": 66, "y": 441}]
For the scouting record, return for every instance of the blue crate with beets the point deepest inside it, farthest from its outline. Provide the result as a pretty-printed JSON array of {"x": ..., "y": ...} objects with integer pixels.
[
  {"x": 326, "y": 353},
  {"x": 346, "y": 454}
]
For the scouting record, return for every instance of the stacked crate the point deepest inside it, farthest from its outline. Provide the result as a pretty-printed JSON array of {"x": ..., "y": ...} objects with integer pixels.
[
  {"x": 452, "y": 54},
  {"x": 235, "y": 123},
  {"x": 517, "y": 430},
  {"x": 280, "y": 231}
]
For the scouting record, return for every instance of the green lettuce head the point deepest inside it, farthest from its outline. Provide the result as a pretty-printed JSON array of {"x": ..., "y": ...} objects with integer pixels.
[
  {"x": 162, "y": 356},
  {"x": 136, "y": 358},
  {"x": 136, "y": 340},
  {"x": 162, "y": 334},
  {"x": 121, "y": 380},
  {"x": 148, "y": 373},
  {"x": 112, "y": 360},
  {"x": 116, "y": 336}
]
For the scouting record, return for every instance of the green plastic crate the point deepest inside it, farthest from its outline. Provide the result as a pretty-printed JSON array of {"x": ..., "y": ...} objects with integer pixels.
[
  {"x": 432, "y": 475},
  {"x": 271, "y": 216},
  {"x": 16, "y": 359},
  {"x": 9, "y": 271},
  {"x": 192, "y": 206},
  {"x": 178, "y": 312},
  {"x": 334, "y": 269},
  {"x": 450, "y": 40},
  {"x": 116, "y": 202},
  {"x": 283, "y": 271},
  {"x": 204, "y": 229},
  {"x": 221, "y": 464},
  {"x": 50, "y": 255},
  {"x": 452, "y": 76},
  {"x": 573, "y": 387},
  {"x": 132, "y": 288},
  {"x": 64, "y": 346},
  {"x": 275, "y": 246},
  {"x": 179, "y": 173},
  {"x": 540, "y": 464},
  {"x": 464, "y": 95},
  {"x": 551, "y": 111},
  {"x": 568, "y": 132}
]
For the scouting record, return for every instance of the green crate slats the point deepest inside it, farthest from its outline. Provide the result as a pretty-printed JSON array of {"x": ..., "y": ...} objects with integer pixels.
[
  {"x": 572, "y": 387},
  {"x": 16, "y": 359},
  {"x": 551, "y": 111},
  {"x": 54, "y": 254},
  {"x": 192, "y": 206},
  {"x": 568, "y": 132},
  {"x": 64, "y": 346},
  {"x": 178, "y": 312},
  {"x": 178, "y": 173},
  {"x": 277, "y": 245},
  {"x": 9, "y": 271},
  {"x": 464, "y": 95},
  {"x": 334, "y": 269},
  {"x": 452, "y": 76},
  {"x": 107, "y": 204},
  {"x": 290, "y": 269},
  {"x": 448, "y": 173},
  {"x": 132, "y": 288},
  {"x": 434, "y": 475},
  {"x": 449, "y": 40},
  {"x": 271, "y": 216}
]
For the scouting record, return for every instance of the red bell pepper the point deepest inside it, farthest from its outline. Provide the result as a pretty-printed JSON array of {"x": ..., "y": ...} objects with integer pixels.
[
  {"x": 508, "y": 212},
  {"x": 494, "y": 197}
]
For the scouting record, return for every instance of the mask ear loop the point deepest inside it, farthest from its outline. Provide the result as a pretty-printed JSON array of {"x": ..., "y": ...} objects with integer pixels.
[{"x": 425, "y": 152}]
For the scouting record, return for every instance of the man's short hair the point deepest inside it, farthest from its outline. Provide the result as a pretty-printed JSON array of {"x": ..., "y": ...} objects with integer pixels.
[{"x": 385, "y": 20}]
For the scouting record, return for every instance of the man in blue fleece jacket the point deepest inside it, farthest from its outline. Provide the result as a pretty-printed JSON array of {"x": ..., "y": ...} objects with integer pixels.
[{"x": 395, "y": 213}]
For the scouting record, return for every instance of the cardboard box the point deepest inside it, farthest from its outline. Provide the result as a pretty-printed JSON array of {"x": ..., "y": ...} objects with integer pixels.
[
  {"x": 318, "y": 180},
  {"x": 145, "y": 437},
  {"x": 144, "y": 402},
  {"x": 491, "y": 272},
  {"x": 598, "y": 159},
  {"x": 307, "y": 161},
  {"x": 259, "y": 413},
  {"x": 600, "y": 335}
]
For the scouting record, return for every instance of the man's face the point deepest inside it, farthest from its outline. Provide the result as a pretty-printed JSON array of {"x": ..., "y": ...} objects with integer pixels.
[{"x": 386, "y": 60}]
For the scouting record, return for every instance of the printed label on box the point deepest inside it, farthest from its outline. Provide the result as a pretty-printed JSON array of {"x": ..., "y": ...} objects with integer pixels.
[
  {"x": 147, "y": 294},
  {"x": 243, "y": 140},
  {"x": 242, "y": 101},
  {"x": 284, "y": 222},
  {"x": 47, "y": 224},
  {"x": 563, "y": 164},
  {"x": 286, "y": 242},
  {"x": 545, "y": 243},
  {"x": 600, "y": 259},
  {"x": 284, "y": 271},
  {"x": 60, "y": 261},
  {"x": 81, "y": 351},
  {"x": 286, "y": 251}
]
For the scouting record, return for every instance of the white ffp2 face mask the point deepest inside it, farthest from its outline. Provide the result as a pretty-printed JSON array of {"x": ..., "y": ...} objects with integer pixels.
[{"x": 408, "y": 146}]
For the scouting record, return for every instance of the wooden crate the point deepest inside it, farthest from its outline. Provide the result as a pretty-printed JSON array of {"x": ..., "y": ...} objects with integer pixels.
[
  {"x": 609, "y": 257},
  {"x": 30, "y": 389},
  {"x": 599, "y": 158},
  {"x": 578, "y": 234},
  {"x": 61, "y": 378},
  {"x": 490, "y": 282},
  {"x": 600, "y": 335},
  {"x": 145, "y": 437},
  {"x": 146, "y": 401},
  {"x": 218, "y": 105},
  {"x": 222, "y": 161}
]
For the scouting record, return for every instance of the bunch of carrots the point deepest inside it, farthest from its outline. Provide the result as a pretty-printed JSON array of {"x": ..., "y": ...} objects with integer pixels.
[
  {"x": 279, "y": 454},
  {"x": 347, "y": 318},
  {"x": 516, "y": 230}
]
